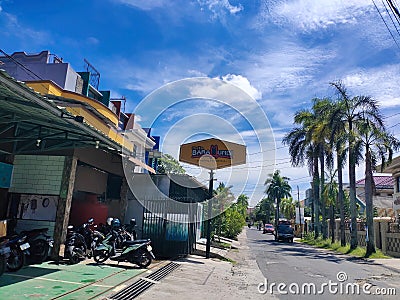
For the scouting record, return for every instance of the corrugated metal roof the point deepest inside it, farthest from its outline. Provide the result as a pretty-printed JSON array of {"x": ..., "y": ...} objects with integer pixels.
[{"x": 21, "y": 105}]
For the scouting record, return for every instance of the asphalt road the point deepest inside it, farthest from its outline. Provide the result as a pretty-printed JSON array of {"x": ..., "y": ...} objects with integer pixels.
[{"x": 298, "y": 268}]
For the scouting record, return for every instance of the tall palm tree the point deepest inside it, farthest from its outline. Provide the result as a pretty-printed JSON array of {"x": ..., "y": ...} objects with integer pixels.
[
  {"x": 277, "y": 189},
  {"x": 331, "y": 192},
  {"x": 377, "y": 142},
  {"x": 321, "y": 134},
  {"x": 288, "y": 208},
  {"x": 351, "y": 111},
  {"x": 309, "y": 141}
]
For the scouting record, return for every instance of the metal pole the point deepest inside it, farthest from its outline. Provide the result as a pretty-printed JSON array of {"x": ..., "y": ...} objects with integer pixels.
[
  {"x": 298, "y": 200},
  {"x": 210, "y": 196}
]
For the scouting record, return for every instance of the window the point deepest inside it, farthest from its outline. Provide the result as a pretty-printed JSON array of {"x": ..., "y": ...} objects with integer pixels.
[{"x": 397, "y": 184}]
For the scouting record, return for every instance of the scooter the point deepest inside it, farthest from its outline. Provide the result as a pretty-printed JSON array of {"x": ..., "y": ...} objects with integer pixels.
[
  {"x": 80, "y": 243},
  {"x": 40, "y": 244},
  {"x": 137, "y": 252},
  {"x": 4, "y": 253},
  {"x": 19, "y": 247}
]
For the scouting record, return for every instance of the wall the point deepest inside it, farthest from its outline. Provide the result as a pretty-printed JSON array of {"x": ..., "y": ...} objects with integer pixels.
[
  {"x": 90, "y": 180},
  {"x": 35, "y": 174}
]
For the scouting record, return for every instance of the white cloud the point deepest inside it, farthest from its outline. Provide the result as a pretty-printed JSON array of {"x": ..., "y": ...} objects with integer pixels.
[
  {"x": 145, "y": 4},
  {"x": 244, "y": 84},
  {"x": 92, "y": 40},
  {"x": 219, "y": 7},
  {"x": 312, "y": 15},
  {"x": 380, "y": 83}
]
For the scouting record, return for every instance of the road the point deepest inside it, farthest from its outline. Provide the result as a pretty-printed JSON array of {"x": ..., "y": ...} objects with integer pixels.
[{"x": 297, "y": 267}]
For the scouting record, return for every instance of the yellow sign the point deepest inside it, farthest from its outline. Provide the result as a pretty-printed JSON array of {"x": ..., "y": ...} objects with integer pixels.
[{"x": 213, "y": 154}]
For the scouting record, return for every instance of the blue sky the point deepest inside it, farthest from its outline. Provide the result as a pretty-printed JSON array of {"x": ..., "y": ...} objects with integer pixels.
[{"x": 282, "y": 53}]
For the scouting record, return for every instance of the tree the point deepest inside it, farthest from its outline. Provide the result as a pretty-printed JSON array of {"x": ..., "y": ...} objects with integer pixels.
[
  {"x": 377, "y": 142},
  {"x": 350, "y": 111},
  {"x": 242, "y": 204},
  {"x": 278, "y": 188},
  {"x": 304, "y": 147},
  {"x": 331, "y": 192},
  {"x": 288, "y": 208},
  {"x": 169, "y": 165},
  {"x": 264, "y": 210}
]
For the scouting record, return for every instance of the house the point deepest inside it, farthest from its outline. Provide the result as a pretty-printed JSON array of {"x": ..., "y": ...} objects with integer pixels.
[
  {"x": 394, "y": 169},
  {"x": 63, "y": 157}
]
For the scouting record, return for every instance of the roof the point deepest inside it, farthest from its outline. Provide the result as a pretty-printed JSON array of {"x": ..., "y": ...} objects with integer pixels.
[
  {"x": 31, "y": 123},
  {"x": 381, "y": 182}
]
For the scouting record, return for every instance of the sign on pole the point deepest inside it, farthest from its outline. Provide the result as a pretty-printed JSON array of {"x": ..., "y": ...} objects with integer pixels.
[{"x": 213, "y": 154}]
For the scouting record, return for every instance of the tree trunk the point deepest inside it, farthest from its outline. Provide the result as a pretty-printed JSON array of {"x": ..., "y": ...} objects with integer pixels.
[
  {"x": 341, "y": 202},
  {"x": 316, "y": 197},
  {"x": 369, "y": 203},
  {"x": 332, "y": 223},
  {"x": 321, "y": 195},
  {"x": 352, "y": 179}
]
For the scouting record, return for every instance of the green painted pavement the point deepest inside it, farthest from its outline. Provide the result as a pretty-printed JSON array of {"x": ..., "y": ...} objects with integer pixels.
[{"x": 48, "y": 280}]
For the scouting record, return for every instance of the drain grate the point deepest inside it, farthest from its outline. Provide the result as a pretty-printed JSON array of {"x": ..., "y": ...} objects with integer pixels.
[{"x": 138, "y": 287}]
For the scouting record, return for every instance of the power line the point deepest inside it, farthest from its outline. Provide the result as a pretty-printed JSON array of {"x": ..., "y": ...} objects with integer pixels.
[{"x": 386, "y": 24}]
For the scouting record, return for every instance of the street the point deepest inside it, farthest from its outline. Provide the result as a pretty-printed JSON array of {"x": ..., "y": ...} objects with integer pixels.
[{"x": 296, "y": 264}]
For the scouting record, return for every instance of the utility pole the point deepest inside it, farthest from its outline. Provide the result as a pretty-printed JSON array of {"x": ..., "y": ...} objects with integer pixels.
[
  {"x": 210, "y": 196},
  {"x": 298, "y": 201}
]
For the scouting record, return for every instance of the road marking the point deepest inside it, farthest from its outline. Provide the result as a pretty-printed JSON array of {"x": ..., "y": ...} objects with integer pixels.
[
  {"x": 56, "y": 280},
  {"x": 47, "y": 279},
  {"x": 119, "y": 288}
]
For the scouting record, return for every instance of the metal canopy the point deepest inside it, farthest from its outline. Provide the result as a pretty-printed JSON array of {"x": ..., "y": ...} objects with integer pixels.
[{"x": 31, "y": 123}]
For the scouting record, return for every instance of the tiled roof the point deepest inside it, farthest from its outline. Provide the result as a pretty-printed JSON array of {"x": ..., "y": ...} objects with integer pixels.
[{"x": 382, "y": 182}]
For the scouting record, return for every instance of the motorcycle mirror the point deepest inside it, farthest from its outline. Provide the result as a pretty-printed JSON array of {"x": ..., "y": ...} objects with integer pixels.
[
  {"x": 91, "y": 220},
  {"x": 132, "y": 222},
  {"x": 70, "y": 227}
]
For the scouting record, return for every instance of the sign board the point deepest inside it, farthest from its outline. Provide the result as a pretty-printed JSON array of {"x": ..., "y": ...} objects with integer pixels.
[{"x": 213, "y": 154}]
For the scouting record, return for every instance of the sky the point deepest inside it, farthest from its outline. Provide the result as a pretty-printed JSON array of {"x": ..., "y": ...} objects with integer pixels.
[{"x": 282, "y": 53}]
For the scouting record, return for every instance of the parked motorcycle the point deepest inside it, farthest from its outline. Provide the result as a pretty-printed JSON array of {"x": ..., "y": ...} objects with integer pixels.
[
  {"x": 137, "y": 252},
  {"x": 40, "y": 244},
  {"x": 80, "y": 243},
  {"x": 4, "y": 253},
  {"x": 19, "y": 247}
]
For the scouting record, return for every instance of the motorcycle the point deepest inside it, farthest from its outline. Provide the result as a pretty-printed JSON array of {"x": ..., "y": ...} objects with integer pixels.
[
  {"x": 19, "y": 247},
  {"x": 80, "y": 243},
  {"x": 137, "y": 252},
  {"x": 4, "y": 253},
  {"x": 40, "y": 244}
]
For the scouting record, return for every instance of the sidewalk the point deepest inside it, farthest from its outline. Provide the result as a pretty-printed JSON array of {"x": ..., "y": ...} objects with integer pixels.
[{"x": 201, "y": 278}]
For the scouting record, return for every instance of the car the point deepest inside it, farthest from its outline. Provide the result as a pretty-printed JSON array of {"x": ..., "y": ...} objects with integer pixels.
[
  {"x": 269, "y": 228},
  {"x": 285, "y": 233}
]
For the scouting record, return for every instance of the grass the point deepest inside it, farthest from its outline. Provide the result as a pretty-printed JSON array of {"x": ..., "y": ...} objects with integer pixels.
[{"x": 327, "y": 244}]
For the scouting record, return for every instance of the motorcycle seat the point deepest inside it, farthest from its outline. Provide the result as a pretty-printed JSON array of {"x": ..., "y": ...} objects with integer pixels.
[{"x": 135, "y": 242}]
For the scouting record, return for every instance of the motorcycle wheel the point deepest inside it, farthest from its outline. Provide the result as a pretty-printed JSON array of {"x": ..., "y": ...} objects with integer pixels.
[
  {"x": 39, "y": 250},
  {"x": 144, "y": 259},
  {"x": 16, "y": 260},
  {"x": 100, "y": 256},
  {"x": 3, "y": 263},
  {"x": 75, "y": 256}
]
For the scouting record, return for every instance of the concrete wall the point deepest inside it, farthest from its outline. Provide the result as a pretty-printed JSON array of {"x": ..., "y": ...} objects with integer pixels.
[
  {"x": 35, "y": 174},
  {"x": 388, "y": 242}
]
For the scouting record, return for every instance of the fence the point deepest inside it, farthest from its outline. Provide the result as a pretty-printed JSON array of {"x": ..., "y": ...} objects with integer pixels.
[{"x": 386, "y": 234}]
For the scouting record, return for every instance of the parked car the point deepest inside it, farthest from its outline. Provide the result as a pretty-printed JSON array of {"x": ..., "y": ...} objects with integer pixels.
[
  {"x": 269, "y": 228},
  {"x": 284, "y": 233}
]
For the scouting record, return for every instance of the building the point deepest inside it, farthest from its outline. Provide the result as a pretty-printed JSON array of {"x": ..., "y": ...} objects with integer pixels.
[
  {"x": 62, "y": 153},
  {"x": 394, "y": 169}
]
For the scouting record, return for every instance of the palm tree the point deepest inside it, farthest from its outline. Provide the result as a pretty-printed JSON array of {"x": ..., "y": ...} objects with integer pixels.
[
  {"x": 351, "y": 111},
  {"x": 377, "y": 142},
  {"x": 331, "y": 192},
  {"x": 288, "y": 208},
  {"x": 321, "y": 134},
  {"x": 278, "y": 188},
  {"x": 309, "y": 141}
]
